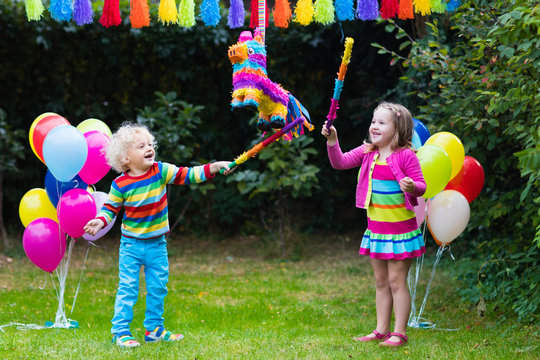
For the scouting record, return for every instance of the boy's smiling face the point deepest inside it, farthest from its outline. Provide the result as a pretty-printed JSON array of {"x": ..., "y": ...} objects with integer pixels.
[{"x": 140, "y": 155}]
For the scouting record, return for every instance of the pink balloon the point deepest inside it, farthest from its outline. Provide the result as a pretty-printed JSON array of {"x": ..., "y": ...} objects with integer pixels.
[
  {"x": 420, "y": 211},
  {"x": 75, "y": 209},
  {"x": 44, "y": 243},
  {"x": 100, "y": 197},
  {"x": 95, "y": 167}
]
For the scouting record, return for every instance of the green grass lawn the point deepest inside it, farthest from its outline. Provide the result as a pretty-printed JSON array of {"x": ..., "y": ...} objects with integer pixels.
[{"x": 230, "y": 302}]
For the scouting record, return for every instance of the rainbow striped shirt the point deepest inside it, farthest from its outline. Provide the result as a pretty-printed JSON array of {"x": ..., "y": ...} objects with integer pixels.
[{"x": 144, "y": 198}]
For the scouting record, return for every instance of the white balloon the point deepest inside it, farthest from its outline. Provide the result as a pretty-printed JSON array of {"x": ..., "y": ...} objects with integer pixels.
[{"x": 448, "y": 214}]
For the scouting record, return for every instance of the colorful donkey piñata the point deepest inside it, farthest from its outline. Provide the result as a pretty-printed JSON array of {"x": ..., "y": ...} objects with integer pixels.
[{"x": 252, "y": 87}]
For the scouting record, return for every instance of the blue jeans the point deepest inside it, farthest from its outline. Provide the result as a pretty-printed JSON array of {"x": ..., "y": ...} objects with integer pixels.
[{"x": 152, "y": 254}]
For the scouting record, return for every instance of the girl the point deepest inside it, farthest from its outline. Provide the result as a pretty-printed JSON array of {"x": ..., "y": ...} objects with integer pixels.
[
  {"x": 389, "y": 182},
  {"x": 141, "y": 189}
]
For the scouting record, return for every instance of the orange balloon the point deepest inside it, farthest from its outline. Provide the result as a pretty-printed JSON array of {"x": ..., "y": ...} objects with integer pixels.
[{"x": 39, "y": 130}]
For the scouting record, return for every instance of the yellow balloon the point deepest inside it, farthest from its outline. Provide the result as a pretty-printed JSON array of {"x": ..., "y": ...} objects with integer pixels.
[
  {"x": 453, "y": 147},
  {"x": 94, "y": 124},
  {"x": 35, "y": 204}
]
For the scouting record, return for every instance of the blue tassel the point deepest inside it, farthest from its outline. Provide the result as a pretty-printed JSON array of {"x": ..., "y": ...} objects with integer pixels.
[
  {"x": 453, "y": 5},
  {"x": 210, "y": 14},
  {"x": 344, "y": 9},
  {"x": 61, "y": 10}
]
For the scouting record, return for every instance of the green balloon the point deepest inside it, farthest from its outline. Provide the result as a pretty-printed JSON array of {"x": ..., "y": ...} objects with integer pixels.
[
  {"x": 94, "y": 124},
  {"x": 436, "y": 168}
]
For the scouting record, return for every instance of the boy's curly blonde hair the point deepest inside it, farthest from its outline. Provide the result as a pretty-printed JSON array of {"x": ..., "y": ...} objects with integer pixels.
[{"x": 120, "y": 143}]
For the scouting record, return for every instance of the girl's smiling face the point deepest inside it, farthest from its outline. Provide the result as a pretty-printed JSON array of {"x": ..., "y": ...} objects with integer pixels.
[
  {"x": 382, "y": 129},
  {"x": 140, "y": 155}
]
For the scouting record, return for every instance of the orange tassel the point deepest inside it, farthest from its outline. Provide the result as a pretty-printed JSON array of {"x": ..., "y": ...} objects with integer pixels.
[
  {"x": 139, "y": 14},
  {"x": 405, "y": 10},
  {"x": 282, "y": 13}
]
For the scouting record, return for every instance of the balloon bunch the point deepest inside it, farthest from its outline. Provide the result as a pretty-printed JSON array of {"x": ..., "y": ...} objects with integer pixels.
[
  {"x": 75, "y": 160},
  {"x": 453, "y": 181}
]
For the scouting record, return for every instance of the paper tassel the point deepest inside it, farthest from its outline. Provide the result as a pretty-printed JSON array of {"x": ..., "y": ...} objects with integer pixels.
[
  {"x": 60, "y": 10},
  {"x": 210, "y": 13},
  {"x": 82, "y": 12},
  {"x": 303, "y": 13},
  {"x": 186, "y": 13},
  {"x": 139, "y": 14},
  {"x": 282, "y": 13},
  {"x": 389, "y": 9},
  {"x": 324, "y": 12},
  {"x": 111, "y": 13},
  {"x": 405, "y": 10},
  {"x": 344, "y": 10},
  {"x": 254, "y": 19},
  {"x": 437, "y": 6},
  {"x": 453, "y": 5},
  {"x": 34, "y": 9},
  {"x": 367, "y": 10},
  {"x": 236, "y": 16},
  {"x": 422, "y": 7},
  {"x": 167, "y": 12}
]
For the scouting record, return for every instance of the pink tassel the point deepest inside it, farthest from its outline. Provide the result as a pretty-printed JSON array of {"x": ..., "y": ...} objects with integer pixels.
[
  {"x": 111, "y": 13},
  {"x": 389, "y": 9}
]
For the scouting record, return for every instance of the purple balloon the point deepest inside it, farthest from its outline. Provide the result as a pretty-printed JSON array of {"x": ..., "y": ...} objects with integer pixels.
[
  {"x": 44, "y": 243},
  {"x": 100, "y": 198},
  {"x": 75, "y": 208}
]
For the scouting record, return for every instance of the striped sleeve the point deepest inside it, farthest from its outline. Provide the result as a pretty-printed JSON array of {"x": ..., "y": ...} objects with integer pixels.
[
  {"x": 185, "y": 175},
  {"x": 112, "y": 205}
]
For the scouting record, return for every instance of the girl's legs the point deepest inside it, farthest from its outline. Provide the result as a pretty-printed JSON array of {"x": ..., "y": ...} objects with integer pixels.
[
  {"x": 383, "y": 295},
  {"x": 397, "y": 279}
]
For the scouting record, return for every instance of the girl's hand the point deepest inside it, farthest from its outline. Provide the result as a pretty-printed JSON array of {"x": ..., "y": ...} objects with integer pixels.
[
  {"x": 406, "y": 184},
  {"x": 93, "y": 226},
  {"x": 329, "y": 134},
  {"x": 218, "y": 165}
]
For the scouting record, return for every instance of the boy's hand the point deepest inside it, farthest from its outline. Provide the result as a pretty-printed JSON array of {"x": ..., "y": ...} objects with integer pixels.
[
  {"x": 218, "y": 165},
  {"x": 93, "y": 226},
  {"x": 406, "y": 184},
  {"x": 329, "y": 134}
]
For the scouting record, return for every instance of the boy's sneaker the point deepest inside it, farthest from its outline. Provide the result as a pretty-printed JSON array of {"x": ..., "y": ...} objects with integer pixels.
[
  {"x": 125, "y": 340},
  {"x": 159, "y": 334}
]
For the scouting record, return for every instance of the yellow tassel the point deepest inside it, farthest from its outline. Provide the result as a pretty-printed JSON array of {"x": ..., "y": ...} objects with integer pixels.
[
  {"x": 304, "y": 12},
  {"x": 422, "y": 7},
  {"x": 167, "y": 12}
]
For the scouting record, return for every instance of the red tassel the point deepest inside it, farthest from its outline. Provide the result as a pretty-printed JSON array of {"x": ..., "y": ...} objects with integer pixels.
[
  {"x": 111, "y": 13},
  {"x": 389, "y": 9},
  {"x": 254, "y": 19},
  {"x": 405, "y": 10},
  {"x": 139, "y": 15},
  {"x": 282, "y": 13}
]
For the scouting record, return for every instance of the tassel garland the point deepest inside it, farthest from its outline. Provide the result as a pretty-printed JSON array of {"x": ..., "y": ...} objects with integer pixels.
[
  {"x": 111, "y": 13},
  {"x": 367, "y": 10},
  {"x": 405, "y": 10},
  {"x": 139, "y": 14},
  {"x": 344, "y": 10},
  {"x": 82, "y": 12},
  {"x": 34, "y": 9},
  {"x": 60, "y": 10},
  {"x": 324, "y": 12},
  {"x": 210, "y": 13},
  {"x": 422, "y": 7},
  {"x": 389, "y": 9},
  {"x": 304, "y": 12},
  {"x": 167, "y": 12},
  {"x": 282, "y": 13},
  {"x": 236, "y": 16},
  {"x": 254, "y": 19}
]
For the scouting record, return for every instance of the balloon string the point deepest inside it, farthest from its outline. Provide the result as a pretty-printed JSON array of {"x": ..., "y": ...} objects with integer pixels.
[
  {"x": 42, "y": 287},
  {"x": 80, "y": 278}
]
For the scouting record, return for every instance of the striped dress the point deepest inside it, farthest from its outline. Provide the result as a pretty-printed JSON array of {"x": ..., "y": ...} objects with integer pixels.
[
  {"x": 392, "y": 231},
  {"x": 144, "y": 198}
]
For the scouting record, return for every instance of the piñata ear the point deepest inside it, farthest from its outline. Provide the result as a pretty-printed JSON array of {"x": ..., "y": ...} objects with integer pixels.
[{"x": 258, "y": 36}]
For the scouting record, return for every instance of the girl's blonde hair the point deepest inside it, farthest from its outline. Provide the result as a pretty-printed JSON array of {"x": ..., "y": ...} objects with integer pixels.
[
  {"x": 403, "y": 124},
  {"x": 120, "y": 143}
]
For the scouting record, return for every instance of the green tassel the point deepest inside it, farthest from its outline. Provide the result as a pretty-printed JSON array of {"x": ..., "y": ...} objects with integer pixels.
[
  {"x": 186, "y": 13},
  {"x": 324, "y": 12},
  {"x": 34, "y": 9}
]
